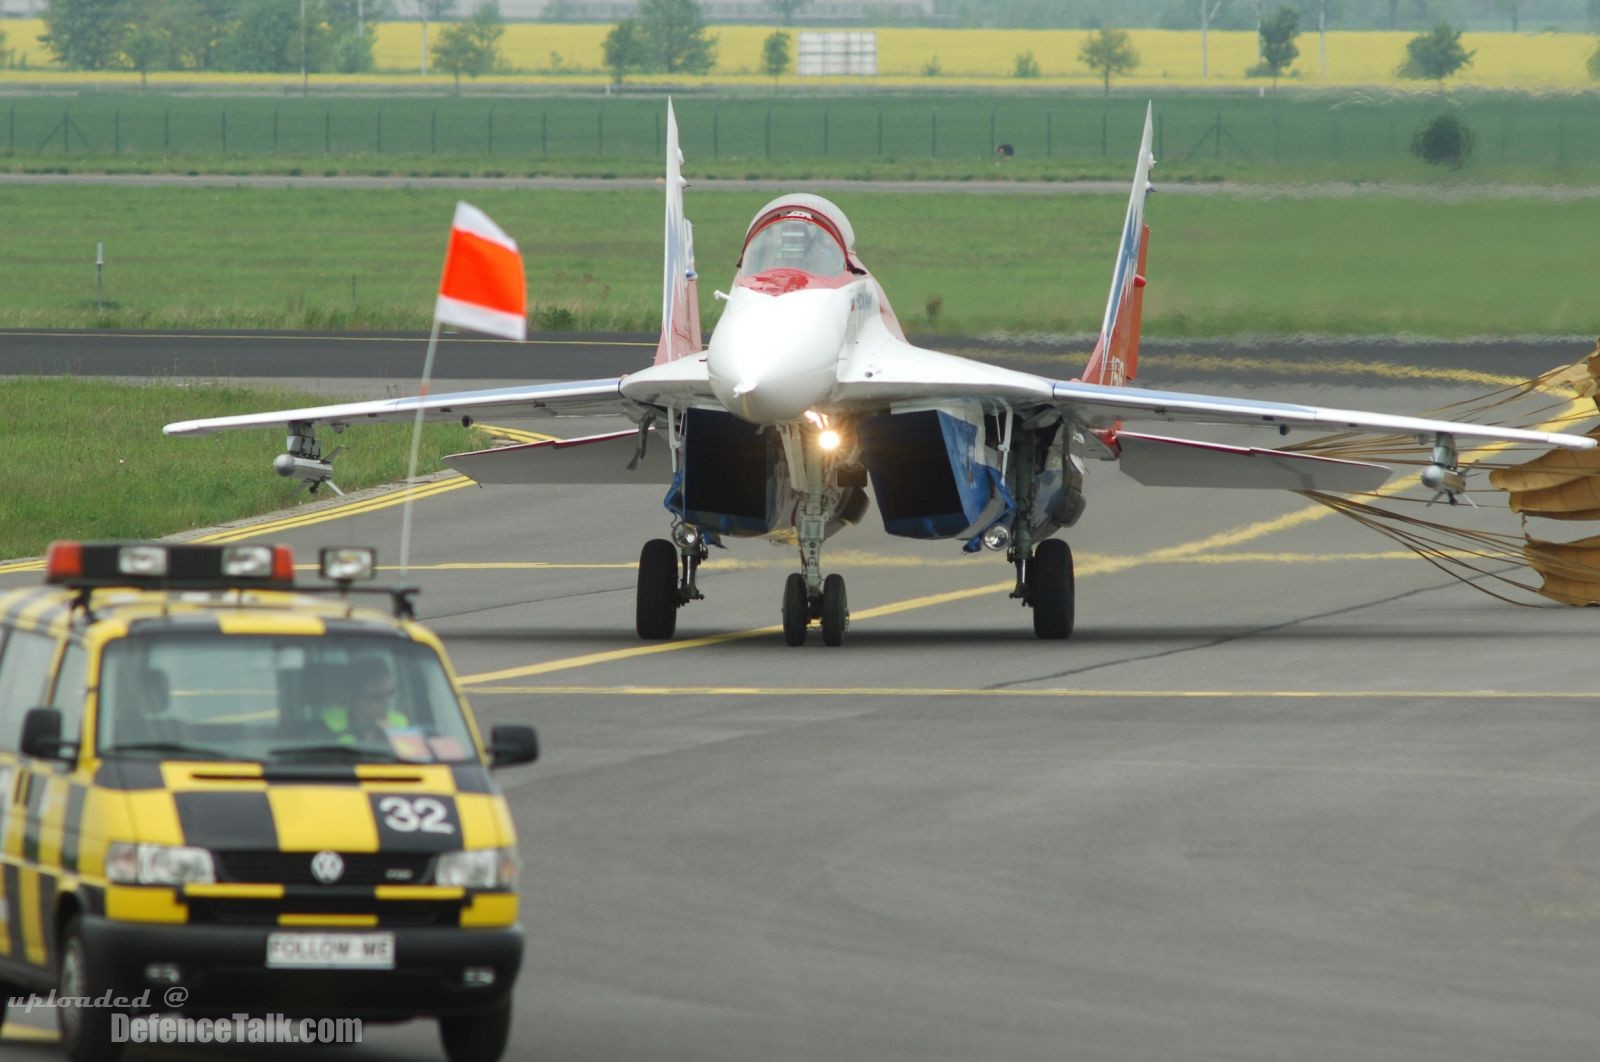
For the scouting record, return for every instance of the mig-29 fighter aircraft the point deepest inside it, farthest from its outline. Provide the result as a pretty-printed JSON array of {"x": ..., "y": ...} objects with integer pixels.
[{"x": 809, "y": 396}]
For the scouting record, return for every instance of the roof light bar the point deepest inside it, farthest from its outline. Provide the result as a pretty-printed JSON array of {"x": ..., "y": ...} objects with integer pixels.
[{"x": 171, "y": 566}]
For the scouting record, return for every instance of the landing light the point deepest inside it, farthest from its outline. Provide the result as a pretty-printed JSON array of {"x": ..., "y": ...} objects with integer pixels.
[
  {"x": 996, "y": 537},
  {"x": 687, "y": 536},
  {"x": 828, "y": 440}
]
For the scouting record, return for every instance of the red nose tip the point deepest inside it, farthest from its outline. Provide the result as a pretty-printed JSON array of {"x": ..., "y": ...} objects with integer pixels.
[{"x": 1138, "y": 280}]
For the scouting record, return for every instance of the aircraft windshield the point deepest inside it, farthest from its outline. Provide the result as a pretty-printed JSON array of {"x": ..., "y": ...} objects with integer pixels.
[
  {"x": 793, "y": 243},
  {"x": 350, "y": 698}
]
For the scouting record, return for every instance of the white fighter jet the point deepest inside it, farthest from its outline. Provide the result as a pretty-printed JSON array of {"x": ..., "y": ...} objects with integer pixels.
[{"x": 809, "y": 397}]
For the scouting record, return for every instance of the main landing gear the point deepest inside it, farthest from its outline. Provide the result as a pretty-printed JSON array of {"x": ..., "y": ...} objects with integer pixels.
[
  {"x": 1045, "y": 584},
  {"x": 666, "y": 583}
]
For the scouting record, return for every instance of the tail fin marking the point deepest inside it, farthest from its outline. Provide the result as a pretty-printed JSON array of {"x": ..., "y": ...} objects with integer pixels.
[
  {"x": 680, "y": 298},
  {"x": 1115, "y": 360}
]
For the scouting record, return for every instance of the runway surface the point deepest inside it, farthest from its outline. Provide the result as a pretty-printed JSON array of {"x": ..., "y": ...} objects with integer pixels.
[{"x": 1285, "y": 793}]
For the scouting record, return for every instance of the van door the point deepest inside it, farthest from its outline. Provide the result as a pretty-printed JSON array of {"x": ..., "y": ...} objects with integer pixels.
[{"x": 27, "y": 893}]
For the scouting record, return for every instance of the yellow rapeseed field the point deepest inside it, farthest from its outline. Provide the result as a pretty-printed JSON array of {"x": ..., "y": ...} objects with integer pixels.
[{"x": 1167, "y": 58}]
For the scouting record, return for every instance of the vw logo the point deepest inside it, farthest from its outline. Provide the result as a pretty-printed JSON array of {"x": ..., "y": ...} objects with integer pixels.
[{"x": 327, "y": 867}]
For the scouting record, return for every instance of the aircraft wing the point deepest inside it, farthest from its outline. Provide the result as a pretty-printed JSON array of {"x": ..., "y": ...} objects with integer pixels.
[
  {"x": 647, "y": 391},
  {"x": 1100, "y": 407},
  {"x": 575, "y": 398},
  {"x": 895, "y": 373}
]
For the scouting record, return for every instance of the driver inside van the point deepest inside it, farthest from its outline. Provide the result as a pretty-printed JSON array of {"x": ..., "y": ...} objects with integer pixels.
[{"x": 373, "y": 706}]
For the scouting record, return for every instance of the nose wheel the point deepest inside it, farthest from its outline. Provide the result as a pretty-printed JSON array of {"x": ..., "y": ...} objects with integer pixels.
[{"x": 830, "y": 608}]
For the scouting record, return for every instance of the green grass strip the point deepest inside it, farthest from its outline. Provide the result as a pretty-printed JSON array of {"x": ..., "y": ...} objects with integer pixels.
[
  {"x": 86, "y": 459},
  {"x": 949, "y": 262}
]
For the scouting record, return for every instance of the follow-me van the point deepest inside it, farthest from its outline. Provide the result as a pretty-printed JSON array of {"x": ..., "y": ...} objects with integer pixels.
[{"x": 274, "y": 799}]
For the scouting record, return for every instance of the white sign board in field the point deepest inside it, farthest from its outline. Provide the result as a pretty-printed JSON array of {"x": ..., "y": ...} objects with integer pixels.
[{"x": 838, "y": 53}]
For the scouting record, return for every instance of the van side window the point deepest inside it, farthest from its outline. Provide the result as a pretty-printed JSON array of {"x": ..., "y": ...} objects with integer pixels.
[
  {"x": 24, "y": 677},
  {"x": 71, "y": 689}
]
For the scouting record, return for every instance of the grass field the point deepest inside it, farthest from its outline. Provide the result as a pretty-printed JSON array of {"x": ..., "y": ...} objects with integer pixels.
[
  {"x": 87, "y": 460},
  {"x": 1219, "y": 264},
  {"x": 569, "y": 53},
  {"x": 1198, "y": 136}
]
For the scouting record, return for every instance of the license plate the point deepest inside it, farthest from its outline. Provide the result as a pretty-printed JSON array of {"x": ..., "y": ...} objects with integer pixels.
[{"x": 331, "y": 951}]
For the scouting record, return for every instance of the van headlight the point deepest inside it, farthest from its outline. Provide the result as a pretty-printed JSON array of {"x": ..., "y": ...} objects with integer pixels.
[
  {"x": 480, "y": 868},
  {"x": 158, "y": 864}
]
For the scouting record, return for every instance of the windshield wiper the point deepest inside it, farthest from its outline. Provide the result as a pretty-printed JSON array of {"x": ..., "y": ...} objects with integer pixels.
[
  {"x": 174, "y": 747},
  {"x": 349, "y": 752}
]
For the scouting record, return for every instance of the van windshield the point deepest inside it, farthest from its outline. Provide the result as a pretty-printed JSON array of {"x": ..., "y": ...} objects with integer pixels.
[{"x": 352, "y": 698}]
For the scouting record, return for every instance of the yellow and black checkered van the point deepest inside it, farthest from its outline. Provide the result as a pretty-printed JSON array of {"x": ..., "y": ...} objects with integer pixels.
[{"x": 268, "y": 799}]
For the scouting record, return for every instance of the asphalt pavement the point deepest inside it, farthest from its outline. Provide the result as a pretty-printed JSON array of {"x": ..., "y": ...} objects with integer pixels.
[{"x": 1286, "y": 792}]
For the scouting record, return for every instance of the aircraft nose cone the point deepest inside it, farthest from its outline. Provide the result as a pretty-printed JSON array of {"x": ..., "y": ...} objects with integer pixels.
[{"x": 771, "y": 359}]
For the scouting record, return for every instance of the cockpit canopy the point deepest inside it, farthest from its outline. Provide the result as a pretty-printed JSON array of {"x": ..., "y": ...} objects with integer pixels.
[{"x": 800, "y": 233}]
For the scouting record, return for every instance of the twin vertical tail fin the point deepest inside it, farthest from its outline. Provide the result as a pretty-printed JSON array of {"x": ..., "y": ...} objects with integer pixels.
[
  {"x": 680, "y": 298},
  {"x": 1115, "y": 360}
]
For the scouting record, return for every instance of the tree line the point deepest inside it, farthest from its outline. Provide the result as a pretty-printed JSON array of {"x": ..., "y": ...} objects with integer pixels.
[{"x": 260, "y": 36}]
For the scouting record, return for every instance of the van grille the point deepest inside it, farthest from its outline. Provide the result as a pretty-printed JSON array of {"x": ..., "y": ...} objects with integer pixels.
[{"x": 294, "y": 868}]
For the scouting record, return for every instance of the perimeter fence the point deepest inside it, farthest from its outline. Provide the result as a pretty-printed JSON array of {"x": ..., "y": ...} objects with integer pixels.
[{"x": 1295, "y": 132}]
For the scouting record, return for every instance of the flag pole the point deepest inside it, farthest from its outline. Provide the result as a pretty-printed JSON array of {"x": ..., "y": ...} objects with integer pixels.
[{"x": 416, "y": 447}]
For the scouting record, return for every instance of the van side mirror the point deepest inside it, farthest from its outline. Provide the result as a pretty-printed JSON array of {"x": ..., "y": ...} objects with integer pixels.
[
  {"x": 511, "y": 744},
  {"x": 41, "y": 733}
]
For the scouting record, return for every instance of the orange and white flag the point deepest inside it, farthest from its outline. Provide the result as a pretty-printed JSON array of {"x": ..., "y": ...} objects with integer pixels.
[{"x": 483, "y": 287}]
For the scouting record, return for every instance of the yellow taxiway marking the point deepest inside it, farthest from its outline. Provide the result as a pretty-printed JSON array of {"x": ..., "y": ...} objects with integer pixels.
[
  {"x": 339, "y": 512},
  {"x": 1080, "y": 694},
  {"x": 1089, "y": 566}
]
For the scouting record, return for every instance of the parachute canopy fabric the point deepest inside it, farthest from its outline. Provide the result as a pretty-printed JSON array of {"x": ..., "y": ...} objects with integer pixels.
[{"x": 1462, "y": 540}]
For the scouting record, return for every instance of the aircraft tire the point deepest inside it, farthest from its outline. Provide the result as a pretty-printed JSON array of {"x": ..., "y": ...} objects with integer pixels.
[
  {"x": 796, "y": 610},
  {"x": 656, "y": 601},
  {"x": 479, "y": 1037},
  {"x": 835, "y": 610},
  {"x": 1050, "y": 588}
]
